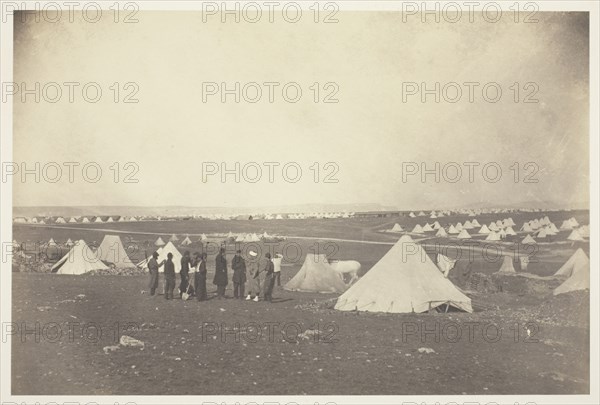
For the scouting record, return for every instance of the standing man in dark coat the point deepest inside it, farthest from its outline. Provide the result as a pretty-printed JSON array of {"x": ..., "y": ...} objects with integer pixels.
[
  {"x": 201, "y": 279},
  {"x": 153, "y": 266},
  {"x": 238, "y": 264},
  {"x": 220, "y": 279},
  {"x": 269, "y": 278},
  {"x": 184, "y": 273},
  {"x": 169, "y": 277}
]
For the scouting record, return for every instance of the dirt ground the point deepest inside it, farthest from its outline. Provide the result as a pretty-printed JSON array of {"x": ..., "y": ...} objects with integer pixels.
[{"x": 67, "y": 331}]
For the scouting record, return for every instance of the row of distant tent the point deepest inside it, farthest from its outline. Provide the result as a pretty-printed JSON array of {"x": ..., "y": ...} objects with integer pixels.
[
  {"x": 118, "y": 218},
  {"x": 77, "y": 220},
  {"x": 470, "y": 213},
  {"x": 249, "y": 237},
  {"x": 501, "y": 228}
]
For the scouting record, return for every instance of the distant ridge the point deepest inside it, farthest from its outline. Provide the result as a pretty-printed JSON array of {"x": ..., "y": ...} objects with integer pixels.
[{"x": 184, "y": 210}]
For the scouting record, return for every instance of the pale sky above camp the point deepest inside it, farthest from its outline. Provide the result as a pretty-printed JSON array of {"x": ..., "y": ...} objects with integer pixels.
[{"x": 369, "y": 133}]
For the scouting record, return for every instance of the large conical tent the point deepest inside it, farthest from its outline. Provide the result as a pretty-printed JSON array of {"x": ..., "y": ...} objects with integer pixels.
[
  {"x": 579, "y": 268},
  {"x": 162, "y": 255},
  {"x": 186, "y": 241},
  {"x": 316, "y": 275},
  {"x": 80, "y": 260},
  {"x": 174, "y": 238},
  {"x": 111, "y": 250},
  {"x": 69, "y": 243},
  {"x": 405, "y": 280},
  {"x": 484, "y": 230},
  {"x": 159, "y": 242},
  {"x": 578, "y": 259},
  {"x": 507, "y": 265}
]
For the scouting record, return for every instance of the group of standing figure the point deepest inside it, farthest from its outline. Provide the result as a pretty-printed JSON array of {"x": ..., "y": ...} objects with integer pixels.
[{"x": 193, "y": 275}]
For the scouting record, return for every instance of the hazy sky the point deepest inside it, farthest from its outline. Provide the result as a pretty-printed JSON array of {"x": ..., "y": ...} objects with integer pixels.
[{"x": 369, "y": 133}]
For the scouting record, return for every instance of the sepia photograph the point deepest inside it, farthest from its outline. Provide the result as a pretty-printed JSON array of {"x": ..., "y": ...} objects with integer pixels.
[{"x": 304, "y": 202}]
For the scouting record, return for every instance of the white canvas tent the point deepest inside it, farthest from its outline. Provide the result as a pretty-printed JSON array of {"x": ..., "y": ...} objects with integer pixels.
[
  {"x": 452, "y": 230},
  {"x": 493, "y": 236},
  {"x": 162, "y": 255},
  {"x": 441, "y": 233},
  {"x": 526, "y": 227},
  {"x": 187, "y": 241},
  {"x": 484, "y": 230},
  {"x": 316, "y": 275},
  {"x": 573, "y": 222},
  {"x": 159, "y": 242},
  {"x": 578, "y": 270},
  {"x": 405, "y": 280},
  {"x": 510, "y": 231},
  {"x": 397, "y": 228},
  {"x": 111, "y": 250},
  {"x": 80, "y": 260},
  {"x": 173, "y": 238},
  {"x": 464, "y": 234},
  {"x": 417, "y": 229},
  {"x": 507, "y": 265},
  {"x": 528, "y": 240},
  {"x": 427, "y": 228},
  {"x": 474, "y": 222},
  {"x": 575, "y": 236},
  {"x": 577, "y": 259},
  {"x": 566, "y": 225}
]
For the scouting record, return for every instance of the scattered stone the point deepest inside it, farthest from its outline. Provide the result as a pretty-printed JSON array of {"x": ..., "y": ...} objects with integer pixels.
[
  {"x": 108, "y": 349},
  {"x": 129, "y": 341}
]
